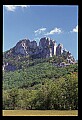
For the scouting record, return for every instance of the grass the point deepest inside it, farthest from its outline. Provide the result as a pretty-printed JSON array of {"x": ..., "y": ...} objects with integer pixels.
[{"x": 40, "y": 113}]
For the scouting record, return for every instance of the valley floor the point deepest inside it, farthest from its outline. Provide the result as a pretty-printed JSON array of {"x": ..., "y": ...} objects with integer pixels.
[{"x": 40, "y": 112}]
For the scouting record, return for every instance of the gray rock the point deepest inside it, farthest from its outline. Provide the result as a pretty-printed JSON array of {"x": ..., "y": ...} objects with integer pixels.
[{"x": 47, "y": 48}]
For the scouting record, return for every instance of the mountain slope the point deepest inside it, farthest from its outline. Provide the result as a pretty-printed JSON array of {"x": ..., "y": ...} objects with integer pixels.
[
  {"x": 26, "y": 51},
  {"x": 41, "y": 86},
  {"x": 35, "y": 74},
  {"x": 38, "y": 81}
]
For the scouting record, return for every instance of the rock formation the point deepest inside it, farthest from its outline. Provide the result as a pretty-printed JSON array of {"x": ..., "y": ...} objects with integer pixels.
[
  {"x": 47, "y": 48},
  {"x": 59, "y": 49}
]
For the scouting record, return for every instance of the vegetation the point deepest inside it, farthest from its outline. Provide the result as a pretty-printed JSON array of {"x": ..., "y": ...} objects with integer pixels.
[{"x": 40, "y": 86}]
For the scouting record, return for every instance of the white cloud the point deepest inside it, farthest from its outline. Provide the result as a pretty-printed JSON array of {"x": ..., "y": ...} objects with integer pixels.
[
  {"x": 55, "y": 30},
  {"x": 13, "y": 7},
  {"x": 39, "y": 31},
  {"x": 75, "y": 29}
]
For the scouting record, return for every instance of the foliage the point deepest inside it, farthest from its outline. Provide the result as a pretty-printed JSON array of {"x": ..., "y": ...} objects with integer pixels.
[{"x": 40, "y": 85}]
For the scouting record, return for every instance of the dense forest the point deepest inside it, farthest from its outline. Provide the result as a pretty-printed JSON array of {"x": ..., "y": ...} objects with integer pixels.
[{"x": 40, "y": 85}]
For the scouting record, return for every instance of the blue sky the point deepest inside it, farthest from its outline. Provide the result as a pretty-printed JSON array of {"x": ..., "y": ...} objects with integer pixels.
[{"x": 59, "y": 22}]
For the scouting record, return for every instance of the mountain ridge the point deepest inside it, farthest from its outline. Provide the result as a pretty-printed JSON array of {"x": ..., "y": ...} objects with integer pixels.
[
  {"x": 26, "y": 49},
  {"x": 39, "y": 83}
]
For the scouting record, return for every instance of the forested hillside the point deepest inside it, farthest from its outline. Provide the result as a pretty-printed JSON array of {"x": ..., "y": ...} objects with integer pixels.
[{"x": 41, "y": 85}]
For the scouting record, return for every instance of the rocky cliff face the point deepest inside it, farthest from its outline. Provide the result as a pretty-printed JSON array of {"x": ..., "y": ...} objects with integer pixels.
[
  {"x": 47, "y": 48},
  {"x": 26, "y": 47}
]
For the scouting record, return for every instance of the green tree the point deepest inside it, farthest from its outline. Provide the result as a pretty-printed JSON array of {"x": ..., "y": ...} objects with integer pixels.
[{"x": 13, "y": 96}]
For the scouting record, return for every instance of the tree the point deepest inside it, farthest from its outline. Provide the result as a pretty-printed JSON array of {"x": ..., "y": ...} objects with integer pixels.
[
  {"x": 13, "y": 96},
  {"x": 71, "y": 88}
]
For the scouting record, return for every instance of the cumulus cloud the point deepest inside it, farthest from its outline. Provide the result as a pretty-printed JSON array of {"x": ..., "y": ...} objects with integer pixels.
[
  {"x": 55, "y": 30},
  {"x": 13, "y": 7},
  {"x": 75, "y": 29},
  {"x": 39, "y": 31}
]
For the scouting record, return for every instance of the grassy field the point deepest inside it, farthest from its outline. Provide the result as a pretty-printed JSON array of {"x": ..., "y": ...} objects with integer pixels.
[{"x": 40, "y": 113}]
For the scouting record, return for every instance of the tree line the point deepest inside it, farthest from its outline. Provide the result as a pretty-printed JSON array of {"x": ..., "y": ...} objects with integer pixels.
[{"x": 61, "y": 94}]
